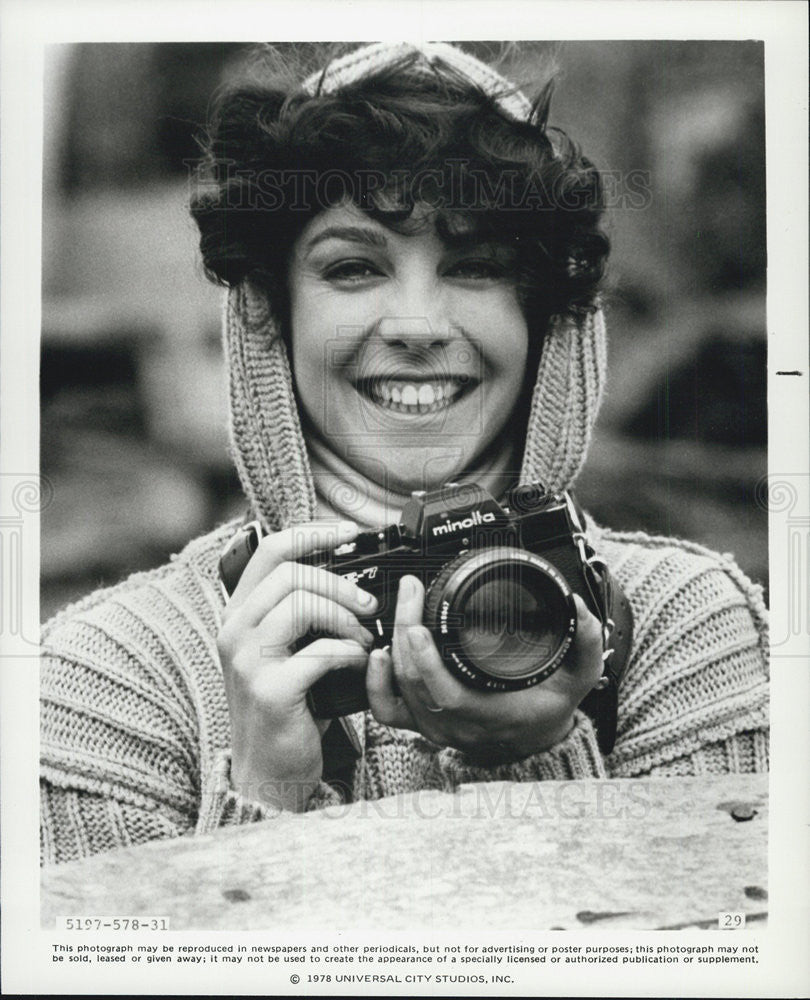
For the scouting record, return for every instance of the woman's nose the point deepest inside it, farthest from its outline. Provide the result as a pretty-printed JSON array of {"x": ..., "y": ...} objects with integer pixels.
[
  {"x": 415, "y": 314},
  {"x": 412, "y": 332}
]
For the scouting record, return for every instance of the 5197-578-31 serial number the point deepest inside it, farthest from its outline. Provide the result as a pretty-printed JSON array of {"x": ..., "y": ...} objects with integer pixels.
[{"x": 113, "y": 924}]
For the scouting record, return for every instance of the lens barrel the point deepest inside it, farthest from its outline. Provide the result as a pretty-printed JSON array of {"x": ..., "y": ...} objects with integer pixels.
[{"x": 502, "y": 617}]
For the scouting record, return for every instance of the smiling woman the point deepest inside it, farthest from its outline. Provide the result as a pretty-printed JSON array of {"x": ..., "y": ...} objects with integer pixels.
[{"x": 413, "y": 261}]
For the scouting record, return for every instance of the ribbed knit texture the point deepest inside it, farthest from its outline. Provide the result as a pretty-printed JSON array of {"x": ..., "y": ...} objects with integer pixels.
[
  {"x": 433, "y": 56},
  {"x": 135, "y": 728},
  {"x": 267, "y": 444}
]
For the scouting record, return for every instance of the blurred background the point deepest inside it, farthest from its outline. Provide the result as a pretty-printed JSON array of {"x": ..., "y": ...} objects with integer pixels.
[{"x": 133, "y": 393}]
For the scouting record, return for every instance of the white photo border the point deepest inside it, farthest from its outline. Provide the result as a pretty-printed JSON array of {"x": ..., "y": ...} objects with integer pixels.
[{"x": 784, "y": 968}]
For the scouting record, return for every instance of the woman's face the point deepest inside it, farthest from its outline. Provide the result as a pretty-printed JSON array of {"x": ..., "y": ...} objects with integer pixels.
[{"x": 408, "y": 353}]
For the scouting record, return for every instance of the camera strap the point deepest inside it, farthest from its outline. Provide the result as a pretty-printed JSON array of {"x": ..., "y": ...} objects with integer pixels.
[{"x": 616, "y": 617}]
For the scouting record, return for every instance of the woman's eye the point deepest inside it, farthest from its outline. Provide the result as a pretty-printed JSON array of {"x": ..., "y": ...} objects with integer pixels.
[{"x": 350, "y": 271}]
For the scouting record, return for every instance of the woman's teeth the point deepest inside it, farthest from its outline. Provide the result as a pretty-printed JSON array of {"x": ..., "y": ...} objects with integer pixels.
[{"x": 414, "y": 397}]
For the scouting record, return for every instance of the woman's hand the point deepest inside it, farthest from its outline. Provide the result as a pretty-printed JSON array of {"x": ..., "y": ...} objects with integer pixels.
[
  {"x": 276, "y": 743},
  {"x": 493, "y": 728}
]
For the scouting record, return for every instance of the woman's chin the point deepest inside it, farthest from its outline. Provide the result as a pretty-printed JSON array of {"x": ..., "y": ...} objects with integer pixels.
[
  {"x": 406, "y": 451},
  {"x": 405, "y": 469}
]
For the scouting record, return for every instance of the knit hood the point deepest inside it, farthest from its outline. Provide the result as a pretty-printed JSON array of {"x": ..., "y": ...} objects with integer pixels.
[{"x": 266, "y": 436}]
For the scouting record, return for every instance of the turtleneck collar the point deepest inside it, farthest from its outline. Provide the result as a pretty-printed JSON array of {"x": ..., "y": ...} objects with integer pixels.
[{"x": 342, "y": 491}]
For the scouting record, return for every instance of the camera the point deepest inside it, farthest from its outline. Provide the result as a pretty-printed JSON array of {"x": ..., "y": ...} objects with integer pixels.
[{"x": 499, "y": 582}]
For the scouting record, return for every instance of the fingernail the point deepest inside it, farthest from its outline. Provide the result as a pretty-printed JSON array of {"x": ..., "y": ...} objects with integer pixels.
[
  {"x": 367, "y": 637},
  {"x": 408, "y": 586},
  {"x": 365, "y": 599},
  {"x": 347, "y": 529}
]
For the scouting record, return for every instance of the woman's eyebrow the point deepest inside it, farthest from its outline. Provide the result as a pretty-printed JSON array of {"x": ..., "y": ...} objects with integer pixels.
[{"x": 353, "y": 234}]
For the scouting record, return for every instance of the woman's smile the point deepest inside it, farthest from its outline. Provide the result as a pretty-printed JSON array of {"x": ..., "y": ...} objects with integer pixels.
[{"x": 413, "y": 396}]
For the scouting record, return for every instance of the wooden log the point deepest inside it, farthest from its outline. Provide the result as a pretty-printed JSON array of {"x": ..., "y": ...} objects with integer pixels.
[{"x": 643, "y": 854}]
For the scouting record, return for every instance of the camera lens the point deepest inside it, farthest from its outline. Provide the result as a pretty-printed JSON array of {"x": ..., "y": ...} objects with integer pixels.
[
  {"x": 511, "y": 621},
  {"x": 503, "y": 617}
]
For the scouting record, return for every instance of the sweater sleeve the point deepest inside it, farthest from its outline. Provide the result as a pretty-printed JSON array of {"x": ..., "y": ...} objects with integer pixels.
[
  {"x": 745, "y": 753},
  {"x": 135, "y": 732},
  {"x": 223, "y": 806},
  {"x": 694, "y": 698},
  {"x": 577, "y": 756},
  {"x": 117, "y": 756},
  {"x": 75, "y": 823},
  {"x": 133, "y": 718}
]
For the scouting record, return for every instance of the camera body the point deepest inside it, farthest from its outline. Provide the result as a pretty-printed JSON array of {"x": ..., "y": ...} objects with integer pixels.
[{"x": 499, "y": 583}]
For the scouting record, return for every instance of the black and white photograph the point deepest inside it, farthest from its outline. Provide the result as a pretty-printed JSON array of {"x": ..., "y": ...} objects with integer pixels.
[{"x": 419, "y": 481}]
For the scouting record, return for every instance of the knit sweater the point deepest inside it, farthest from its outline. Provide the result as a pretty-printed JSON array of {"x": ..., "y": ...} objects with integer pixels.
[
  {"x": 136, "y": 732},
  {"x": 135, "y": 726}
]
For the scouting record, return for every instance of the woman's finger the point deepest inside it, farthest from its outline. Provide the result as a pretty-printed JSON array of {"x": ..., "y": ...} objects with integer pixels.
[
  {"x": 301, "y": 612},
  {"x": 440, "y": 687},
  {"x": 323, "y": 655},
  {"x": 282, "y": 687},
  {"x": 407, "y": 616},
  {"x": 288, "y": 577},
  {"x": 387, "y": 705},
  {"x": 289, "y": 545},
  {"x": 422, "y": 676},
  {"x": 583, "y": 661}
]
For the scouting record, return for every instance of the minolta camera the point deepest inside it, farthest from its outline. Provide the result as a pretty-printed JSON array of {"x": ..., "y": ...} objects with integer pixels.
[{"x": 499, "y": 583}]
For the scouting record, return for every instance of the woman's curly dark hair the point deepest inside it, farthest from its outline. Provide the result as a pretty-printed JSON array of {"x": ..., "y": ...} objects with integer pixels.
[{"x": 276, "y": 155}]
